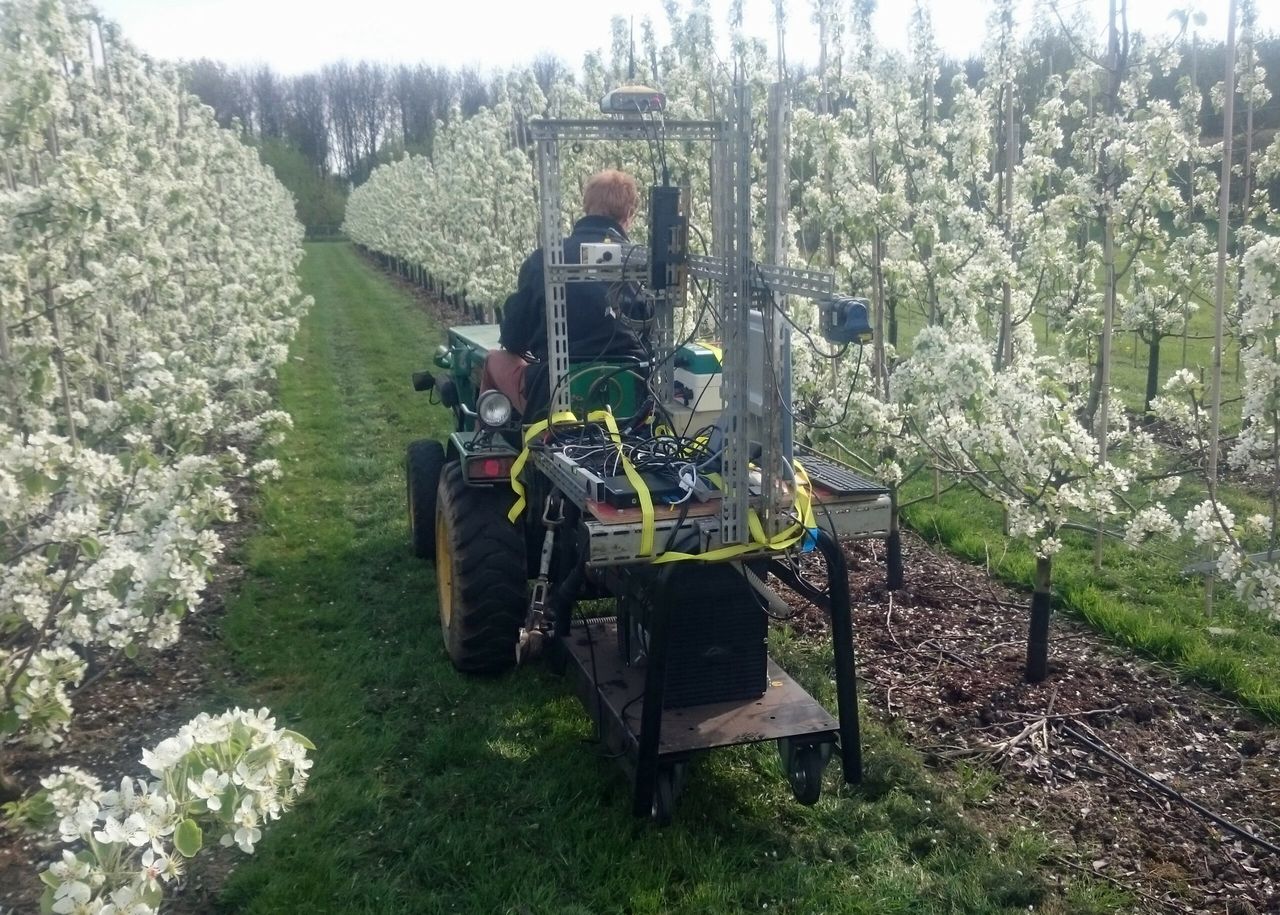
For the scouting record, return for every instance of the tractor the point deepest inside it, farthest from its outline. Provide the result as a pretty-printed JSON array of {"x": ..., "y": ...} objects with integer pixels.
[{"x": 672, "y": 489}]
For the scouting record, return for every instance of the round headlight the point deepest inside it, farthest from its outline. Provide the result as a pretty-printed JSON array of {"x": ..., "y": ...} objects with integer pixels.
[{"x": 494, "y": 409}]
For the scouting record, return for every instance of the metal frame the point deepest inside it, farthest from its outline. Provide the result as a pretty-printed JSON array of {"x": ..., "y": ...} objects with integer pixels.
[
  {"x": 579, "y": 129},
  {"x": 548, "y": 134},
  {"x": 547, "y": 153},
  {"x": 644, "y": 740},
  {"x": 737, "y": 280}
]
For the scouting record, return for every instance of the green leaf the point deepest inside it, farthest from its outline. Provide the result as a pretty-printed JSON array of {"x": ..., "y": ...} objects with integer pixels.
[
  {"x": 188, "y": 838},
  {"x": 131, "y": 651},
  {"x": 91, "y": 548},
  {"x": 9, "y": 722},
  {"x": 152, "y": 897},
  {"x": 229, "y": 800},
  {"x": 298, "y": 738},
  {"x": 46, "y": 901}
]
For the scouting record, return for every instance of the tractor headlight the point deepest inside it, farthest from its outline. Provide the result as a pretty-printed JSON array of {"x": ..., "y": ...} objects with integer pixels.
[{"x": 494, "y": 409}]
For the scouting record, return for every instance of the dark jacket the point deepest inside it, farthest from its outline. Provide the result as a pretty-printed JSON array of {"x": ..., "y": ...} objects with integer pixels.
[{"x": 593, "y": 330}]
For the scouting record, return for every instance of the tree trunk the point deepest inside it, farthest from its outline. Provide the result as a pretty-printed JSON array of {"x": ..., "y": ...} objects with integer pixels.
[
  {"x": 1153, "y": 371},
  {"x": 893, "y": 560},
  {"x": 1005, "y": 354},
  {"x": 1038, "y": 635},
  {"x": 1102, "y": 418}
]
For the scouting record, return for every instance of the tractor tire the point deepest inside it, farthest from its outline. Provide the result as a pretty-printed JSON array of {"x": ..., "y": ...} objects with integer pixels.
[
  {"x": 422, "y": 466},
  {"x": 480, "y": 570}
]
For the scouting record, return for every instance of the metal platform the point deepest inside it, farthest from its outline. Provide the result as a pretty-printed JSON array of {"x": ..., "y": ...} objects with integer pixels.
[
  {"x": 615, "y": 533},
  {"x": 785, "y": 709}
]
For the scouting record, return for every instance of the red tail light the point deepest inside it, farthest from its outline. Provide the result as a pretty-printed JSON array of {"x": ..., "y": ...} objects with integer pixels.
[{"x": 489, "y": 467}]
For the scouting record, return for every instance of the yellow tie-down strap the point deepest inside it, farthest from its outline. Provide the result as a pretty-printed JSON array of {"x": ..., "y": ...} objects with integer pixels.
[
  {"x": 783, "y": 540},
  {"x": 633, "y": 477}
]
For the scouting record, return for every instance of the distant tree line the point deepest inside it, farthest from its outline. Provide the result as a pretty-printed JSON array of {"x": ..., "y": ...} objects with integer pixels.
[{"x": 325, "y": 132}]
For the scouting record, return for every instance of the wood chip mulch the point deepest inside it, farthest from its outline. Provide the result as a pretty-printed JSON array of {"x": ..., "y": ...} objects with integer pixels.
[{"x": 943, "y": 660}]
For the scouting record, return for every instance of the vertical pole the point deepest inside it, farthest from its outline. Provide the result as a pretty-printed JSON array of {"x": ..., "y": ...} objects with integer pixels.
[
  {"x": 777, "y": 426},
  {"x": 736, "y": 192},
  {"x": 649, "y": 740},
  {"x": 1005, "y": 356},
  {"x": 1220, "y": 281},
  {"x": 1102, "y": 420},
  {"x": 845, "y": 657},
  {"x": 548, "y": 155}
]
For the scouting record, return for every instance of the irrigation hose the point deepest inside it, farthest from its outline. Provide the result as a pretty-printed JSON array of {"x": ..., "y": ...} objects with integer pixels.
[{"x": 1171, "y": 793}]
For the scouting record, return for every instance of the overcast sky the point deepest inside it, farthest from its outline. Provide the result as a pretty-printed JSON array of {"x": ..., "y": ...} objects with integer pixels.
[{"x": 295, "y": 36}]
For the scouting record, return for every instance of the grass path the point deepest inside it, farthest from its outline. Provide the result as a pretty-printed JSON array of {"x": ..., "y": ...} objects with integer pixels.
[{"x": 438, "y": 793}]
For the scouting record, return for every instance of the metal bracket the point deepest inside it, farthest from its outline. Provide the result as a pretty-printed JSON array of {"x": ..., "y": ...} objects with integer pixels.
[
  {"x": 571, "y": 129},
  {"x": 798, "y": 281}
]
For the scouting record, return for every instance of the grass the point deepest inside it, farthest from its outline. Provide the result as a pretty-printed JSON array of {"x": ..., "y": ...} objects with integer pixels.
[{"x": 434, "y": 792}]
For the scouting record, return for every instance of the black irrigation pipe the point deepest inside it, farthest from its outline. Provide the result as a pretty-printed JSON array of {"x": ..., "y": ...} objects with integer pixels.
[{"x": 1168, "y": 792}]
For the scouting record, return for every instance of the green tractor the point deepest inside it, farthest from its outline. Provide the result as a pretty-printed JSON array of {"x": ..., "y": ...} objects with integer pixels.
[{"x": 460, "y": 496}]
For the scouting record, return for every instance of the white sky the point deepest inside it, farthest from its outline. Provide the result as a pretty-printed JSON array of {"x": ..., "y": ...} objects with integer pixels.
[{"x": 295, "y": 36}]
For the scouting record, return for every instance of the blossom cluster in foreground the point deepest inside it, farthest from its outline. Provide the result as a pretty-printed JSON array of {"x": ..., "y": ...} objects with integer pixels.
[{"x": 226, "y": 776}]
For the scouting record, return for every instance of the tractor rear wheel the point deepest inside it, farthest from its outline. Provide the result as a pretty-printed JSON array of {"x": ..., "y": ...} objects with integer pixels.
[
  {"x": 422, "y": 466},
  {"x": 480, "y": 570}
]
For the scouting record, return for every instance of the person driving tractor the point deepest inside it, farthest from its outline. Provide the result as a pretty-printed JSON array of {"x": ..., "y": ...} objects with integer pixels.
[{"x": 597, "y": 311}]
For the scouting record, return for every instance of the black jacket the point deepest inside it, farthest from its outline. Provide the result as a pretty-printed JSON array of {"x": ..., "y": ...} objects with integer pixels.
[{"x": 593, "y": 330}]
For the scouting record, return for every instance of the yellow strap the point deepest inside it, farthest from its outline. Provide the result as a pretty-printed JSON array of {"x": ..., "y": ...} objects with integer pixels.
[
  {"x": 529, "y": 435},
  {"x": 784, "y": 540},
  {"x": 634, "y": 478}
]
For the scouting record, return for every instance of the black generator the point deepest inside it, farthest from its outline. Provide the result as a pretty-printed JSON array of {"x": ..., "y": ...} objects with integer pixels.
[{"x": 717, "y": 633}]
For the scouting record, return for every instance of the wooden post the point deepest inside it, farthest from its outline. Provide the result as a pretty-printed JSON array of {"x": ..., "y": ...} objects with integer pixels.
[
  {"x": 1220, "y": 283},
  {"x": 1102, "y": 419}
]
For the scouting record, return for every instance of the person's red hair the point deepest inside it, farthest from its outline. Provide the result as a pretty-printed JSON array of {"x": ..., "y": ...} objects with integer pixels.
[{"x": 611, "y": 193}]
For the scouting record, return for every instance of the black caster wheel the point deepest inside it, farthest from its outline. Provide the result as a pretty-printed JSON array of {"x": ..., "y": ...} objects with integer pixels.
[
  {"x": 666, "y": 789},
  {"x": 804, "y": 765}
]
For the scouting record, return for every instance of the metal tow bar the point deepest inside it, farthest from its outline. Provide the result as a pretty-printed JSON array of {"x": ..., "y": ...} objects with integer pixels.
[{"x": 533, "y": 632}]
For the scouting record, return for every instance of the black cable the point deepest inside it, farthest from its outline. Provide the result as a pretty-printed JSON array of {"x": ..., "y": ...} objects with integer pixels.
[
  {"x": 1235, "y": 829},
  {"x": 622, "y": 715},
  {"x": 818, "y": 427},
  {"x": 650, "y": 145},
  {"x": 706, "y": 246},
  {"x": 675, "y": 531}
]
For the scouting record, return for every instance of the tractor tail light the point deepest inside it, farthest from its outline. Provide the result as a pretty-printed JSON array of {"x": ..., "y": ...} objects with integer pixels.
[{"x": 489, "y": 467}]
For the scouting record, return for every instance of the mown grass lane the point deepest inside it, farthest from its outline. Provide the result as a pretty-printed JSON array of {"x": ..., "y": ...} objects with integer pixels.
[{"x": 434, "y": 792}]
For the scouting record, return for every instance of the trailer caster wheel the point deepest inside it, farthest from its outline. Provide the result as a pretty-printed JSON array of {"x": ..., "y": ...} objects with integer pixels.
[
  {"x": 666, "y": 788},
  {"x": 804, "y": 765}
]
